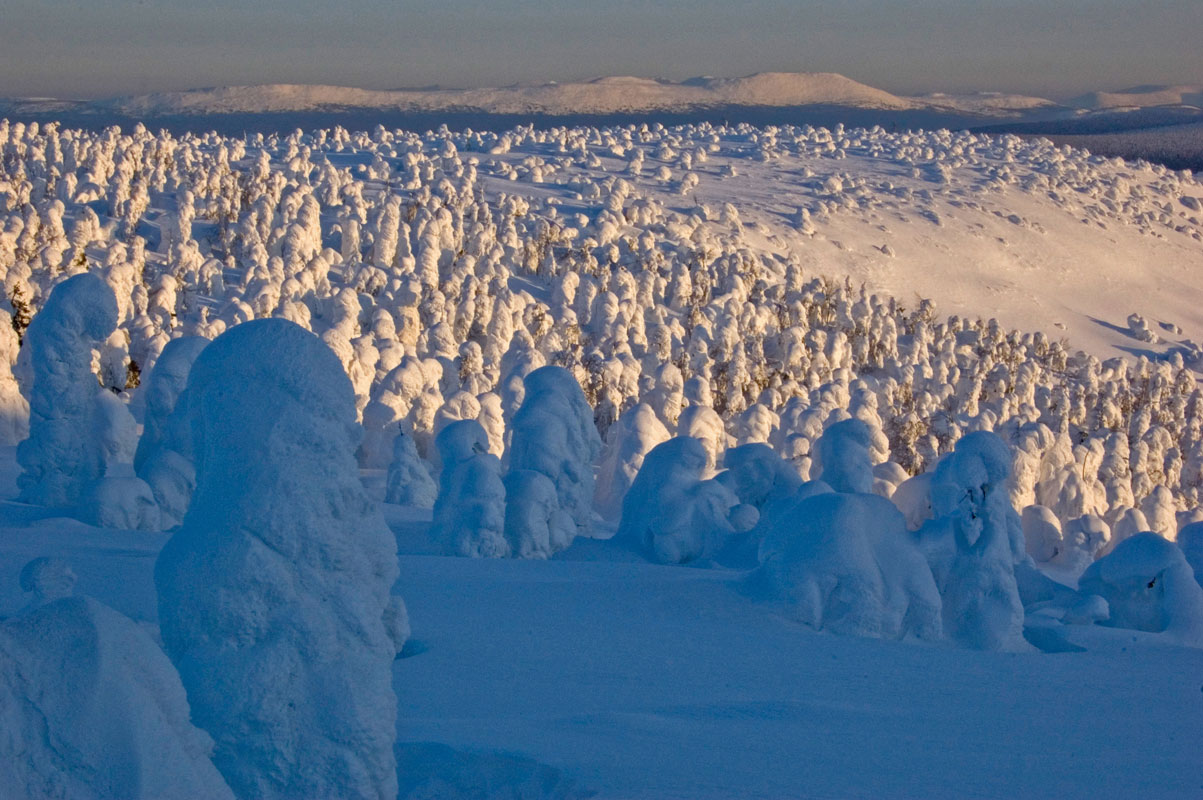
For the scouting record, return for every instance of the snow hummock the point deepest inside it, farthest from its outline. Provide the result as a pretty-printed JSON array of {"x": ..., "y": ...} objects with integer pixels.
[
  {"x": 274, "y": 594},
  {"x": 845, "y": 563},
  {"x": 91, "y": 708}
]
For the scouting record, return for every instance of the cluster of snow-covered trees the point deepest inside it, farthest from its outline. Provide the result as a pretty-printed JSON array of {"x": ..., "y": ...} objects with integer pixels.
[
  {"x": 440, "y": 292},
  {"x": 533, "y": 374},
  {"x": 531, "y": 357}
]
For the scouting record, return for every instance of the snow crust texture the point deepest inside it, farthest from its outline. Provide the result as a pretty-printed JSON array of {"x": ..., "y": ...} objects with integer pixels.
[{"x": 273, "y": 594}]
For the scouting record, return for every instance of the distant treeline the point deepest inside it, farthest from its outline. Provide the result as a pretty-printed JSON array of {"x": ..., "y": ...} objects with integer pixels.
[{"x": 1156, "y": 135}]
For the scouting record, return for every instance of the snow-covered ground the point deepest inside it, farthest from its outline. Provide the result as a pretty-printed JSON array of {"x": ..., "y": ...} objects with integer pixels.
[{"x": 601, "y": 673}]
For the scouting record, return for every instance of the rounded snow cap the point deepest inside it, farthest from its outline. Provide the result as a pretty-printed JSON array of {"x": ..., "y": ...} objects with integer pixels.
[
  {"x": 1137, "y": 558},
  {"x": 551, "y": 379},
  {"x": 280, "y": 354},
  {"x": 85, "y": 304},
  {"x": 461, "y": 440}
]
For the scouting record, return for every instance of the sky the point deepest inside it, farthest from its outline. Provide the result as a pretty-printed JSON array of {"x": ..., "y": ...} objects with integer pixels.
[{"x": 1055, "y": 48}]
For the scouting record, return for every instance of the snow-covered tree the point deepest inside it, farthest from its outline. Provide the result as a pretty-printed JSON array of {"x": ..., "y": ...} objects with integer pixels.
[
  {"x": 469, "y": 513},
  {"x": 274, "y": 594},
  {"x": 1149, "y": 586},
  {"x": 974, "y": 543},
  {"x": 62, "y": 454},
  {"x": 673, "y": 513},
  {"x": 553, "y": 433},
  {"x": 846, "y": 563}
]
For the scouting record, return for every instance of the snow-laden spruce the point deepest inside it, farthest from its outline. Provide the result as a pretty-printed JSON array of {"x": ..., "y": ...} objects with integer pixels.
[
  {"x": 274, "y": 594},
  {"x": 439, "y": 292},
  {"x": 63, "y": 454},
  {"x": 552, "y": 433},
  {"x": 164, "y": 386},
  {"x": 974, "y": 543},
  {"x": 408, "y": 481},
  {"x": 90, "y": 706},
  {"x": 470, "y": 512},
  {"x": 164, "y": 458},
  {"x": 628, "y": 441},
  {"x": 14, "y": 408}
]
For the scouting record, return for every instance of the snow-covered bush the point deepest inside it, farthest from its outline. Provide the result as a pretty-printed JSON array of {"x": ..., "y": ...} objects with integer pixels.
[
  {"x": 973, "y": 544},
  {"x": 45, "y": 580},
  {"x": 1041, "y": 533},
  {"x": 274, "y": 593},
  {"x": 553, "y": 433},
  {"x": 469, "y": 513},
  {"x": 846, "y": 563},
  {"x": 1149, "y": 586},
  {"x": 62, "y": 454},
  {"x": 408, "y": 481},
  {"x": 672, "y": 513},
  {"x": 120, "y": 502}
]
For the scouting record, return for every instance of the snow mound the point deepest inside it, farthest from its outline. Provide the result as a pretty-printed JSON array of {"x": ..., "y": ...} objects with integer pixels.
[
  {"x": 91, "y": 708},
  {"x": 846, "y": 563},
  {"x": 1149, "y": 586}
]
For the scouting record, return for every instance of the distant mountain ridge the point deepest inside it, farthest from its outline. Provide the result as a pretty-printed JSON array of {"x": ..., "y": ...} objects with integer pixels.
[
  {"x": 1142, "y": 97},
  {"x": 611, "y": 95},
  {"x": 598, "y": 96}
]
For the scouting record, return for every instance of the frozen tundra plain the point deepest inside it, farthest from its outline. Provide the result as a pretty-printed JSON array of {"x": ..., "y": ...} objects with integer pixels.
[{"x": 717, "y": 462}]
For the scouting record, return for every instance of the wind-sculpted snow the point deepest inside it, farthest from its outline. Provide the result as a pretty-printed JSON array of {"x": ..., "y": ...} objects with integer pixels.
[{"x": 274, "y": 593}]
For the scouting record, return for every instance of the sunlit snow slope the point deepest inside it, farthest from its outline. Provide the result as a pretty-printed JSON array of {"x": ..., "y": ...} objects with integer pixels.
[{"x": 1041, "y": 238}]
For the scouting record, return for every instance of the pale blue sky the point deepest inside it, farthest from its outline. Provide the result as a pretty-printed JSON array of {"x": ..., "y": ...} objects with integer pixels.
[{"x": 90, "y": 48}]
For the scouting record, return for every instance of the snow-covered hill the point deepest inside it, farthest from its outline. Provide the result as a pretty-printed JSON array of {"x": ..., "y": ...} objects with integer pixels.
[
  {"x": 1142, "y": 97},
  {"x": 600, "y": 96}
]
